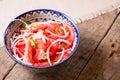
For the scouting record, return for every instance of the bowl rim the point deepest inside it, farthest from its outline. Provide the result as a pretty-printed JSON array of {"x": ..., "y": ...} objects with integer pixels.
[{"x": 36, "y": 10}]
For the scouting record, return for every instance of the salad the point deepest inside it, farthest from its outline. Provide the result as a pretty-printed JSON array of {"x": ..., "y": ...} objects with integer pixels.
[{"x": 43, "y": 43}]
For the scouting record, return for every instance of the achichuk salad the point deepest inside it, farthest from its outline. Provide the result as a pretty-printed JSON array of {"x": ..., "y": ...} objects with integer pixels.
[{"x": 43, "y": 43}]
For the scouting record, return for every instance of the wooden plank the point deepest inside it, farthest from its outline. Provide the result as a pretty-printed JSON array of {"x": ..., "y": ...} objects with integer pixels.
[
  {"x": 105, "y": 64},
  {"x": 91, "y": 33},
  {"x": 5, "y": 63}
]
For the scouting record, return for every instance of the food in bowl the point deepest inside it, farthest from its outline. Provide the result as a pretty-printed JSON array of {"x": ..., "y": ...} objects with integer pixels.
[{"x": 41, "y": 42}]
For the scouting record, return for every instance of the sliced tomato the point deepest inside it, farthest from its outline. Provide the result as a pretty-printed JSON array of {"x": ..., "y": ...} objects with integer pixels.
[
  {"x": 30, "y": 53},
  {"x": 57, "y": 28},
  {"x": 46, "y": 33},
  {"x": 45, "y": 63},
  {"x": 55, "y": 58},
  {"x": 37, "y": 56},
  {"x": 20, "y": 48},
  {"x": 39, "y": 44},
  {"x": 35, "y": 30},
  {"x": 44, "y": 26},
  {"x": 64, "y": 45},
  {"x": 40, "y": 56},
  {"x": 52, "y": 37},
  {"x": 51, "y": 53},
  {"x": 46, "y": 44},
  {"x": 56, "y": 24},
  {"x": 59, "y": 31},
  {"x": 20, "y": 43},
  {"x": 71, "y": 36},
  {"x": 54, "y": 48},
  {"x": 50, "y": 28}
]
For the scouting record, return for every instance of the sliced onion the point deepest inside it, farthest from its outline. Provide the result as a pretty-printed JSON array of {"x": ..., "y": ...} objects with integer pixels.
[
  {"x": 25, "y": 58},
  {"x": 40, "y": 35},
  {"x": 19, "y": 52},
  {"x": 63, "y": 51},
  {"x": 16, "y": 41}
]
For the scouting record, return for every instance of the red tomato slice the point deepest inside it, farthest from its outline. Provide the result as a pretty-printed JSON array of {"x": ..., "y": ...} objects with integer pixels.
[
  {"x": 57, "y": 29},
  {"x": 46, "y": 33},
  {"x": 56, "y": 24},
  {"x": 37, "y": 55},
  {"x": 20, "y": 48},
  {"x": 54, "y": 48},
  {"x": 71, "y": 36},
  {"x": 45, "y": 63},
  {"x": 20, "y": 44},
  {"x": 51, "y": 54},
  {"x": 44, "y": 26},
  {"x": 64, "y": 45},
  {"x": 40, "y": 56},
  {"x": 30, "y": 53},
  {"x": 52, "y": 37},
  {"x": 55, "y": 58},
  {"x": 51, "y": 28},
  {"x": 39, "y": 44},
  {"x": 46, "y": 45}
]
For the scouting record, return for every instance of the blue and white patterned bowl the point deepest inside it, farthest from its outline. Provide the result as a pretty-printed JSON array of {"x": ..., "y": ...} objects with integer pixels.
[{"x": 42, "y": 14}]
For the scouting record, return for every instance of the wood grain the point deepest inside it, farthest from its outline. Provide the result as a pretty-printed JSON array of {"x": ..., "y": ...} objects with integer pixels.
[
  {"x": 105, "y": 63},
  {"x": 5, "y": 63},
  {"x": 91, "y": 32}
]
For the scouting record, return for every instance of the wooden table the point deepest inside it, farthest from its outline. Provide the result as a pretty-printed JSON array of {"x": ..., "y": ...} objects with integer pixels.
[{"x": 97, "y": 58}]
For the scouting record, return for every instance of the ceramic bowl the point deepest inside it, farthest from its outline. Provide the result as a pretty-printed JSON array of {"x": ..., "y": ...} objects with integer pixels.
[{"x": 34, "y": 15}]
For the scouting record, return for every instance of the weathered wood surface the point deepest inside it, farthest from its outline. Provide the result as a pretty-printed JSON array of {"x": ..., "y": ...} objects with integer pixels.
[
  {"x": 6, "y": 63},
  {"x": 105, "y": 63},
  {"x": 92, "y": 33}
]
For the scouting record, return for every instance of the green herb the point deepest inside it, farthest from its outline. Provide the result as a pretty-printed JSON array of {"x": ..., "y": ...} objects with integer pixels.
[{"x": 33, "y": 43}]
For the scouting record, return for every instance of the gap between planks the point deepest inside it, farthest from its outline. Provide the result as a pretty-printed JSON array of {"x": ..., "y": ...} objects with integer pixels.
[
  {"x": 99, "y": 44},
  {"x": 9, "y": 71}
]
